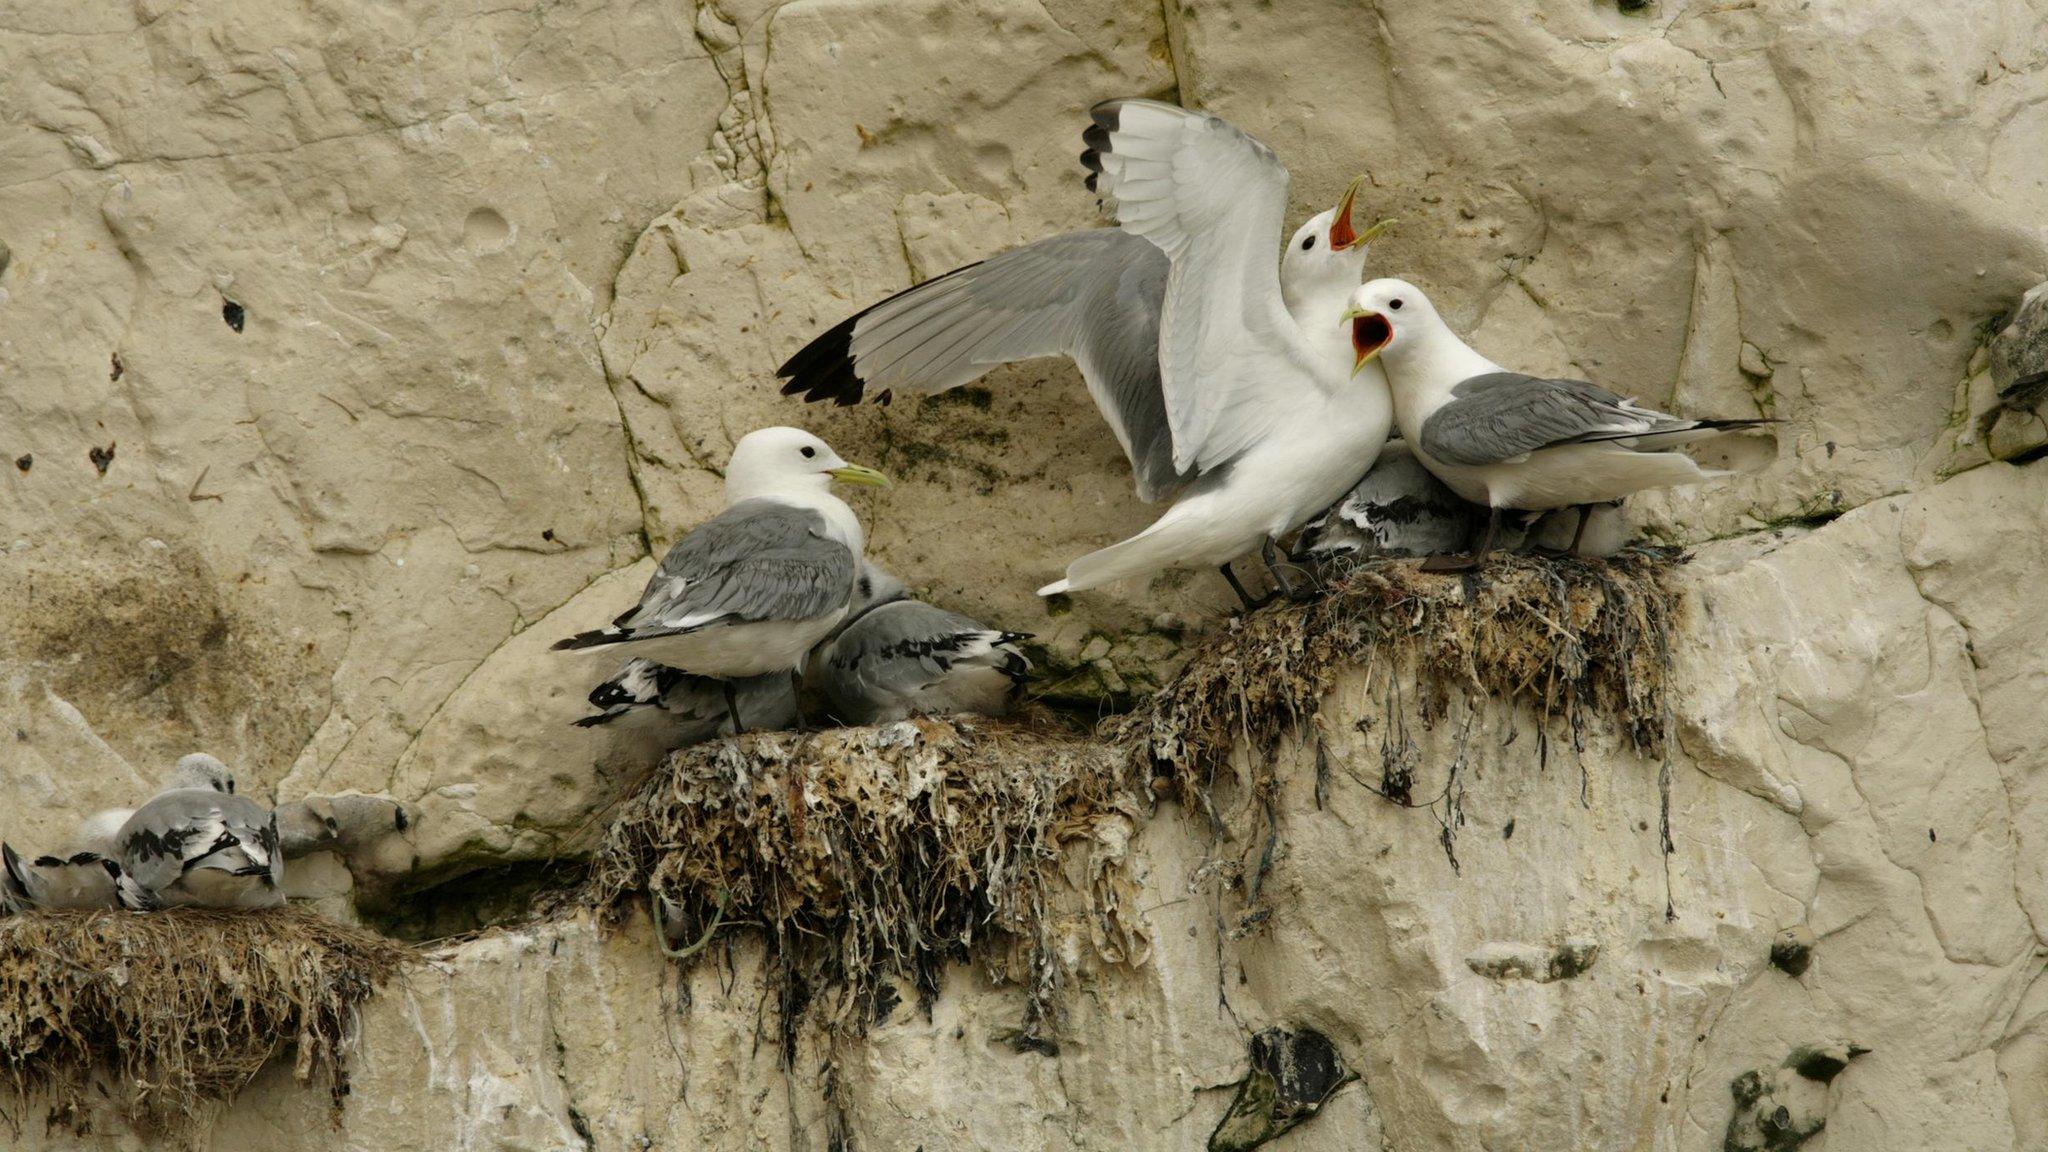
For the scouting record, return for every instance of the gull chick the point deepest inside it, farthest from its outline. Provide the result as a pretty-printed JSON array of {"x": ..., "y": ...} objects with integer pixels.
[
  {"x": 693, "y": 705},
  {"x": 197, "y": 842},
  {"x": 897, "y": 657},
  {"x": 749, "y": 591},
  {"x": 1508, "y": 441},
  {"x": 1259, "y": 398}
]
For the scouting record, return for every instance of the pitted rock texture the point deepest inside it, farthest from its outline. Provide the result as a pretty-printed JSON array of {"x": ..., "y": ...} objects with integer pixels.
[{"x": 354, "y": 352}]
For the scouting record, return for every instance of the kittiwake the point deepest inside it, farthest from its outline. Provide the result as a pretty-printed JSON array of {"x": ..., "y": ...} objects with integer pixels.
[
  {"x": 749, "y": 591},
  {"x": 1505, "y": 440},
  {"x": 1093, "y": 297},
  {"x": 199, "y": 843},
  {"x": 692, "y": 708},
  {"x": 1259, "y": 399},
  {"x": 897, "y": 657}
]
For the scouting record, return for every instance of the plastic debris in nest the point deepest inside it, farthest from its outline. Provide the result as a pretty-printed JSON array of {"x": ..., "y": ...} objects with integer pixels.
[
  {"x": 1576, "y": 640},
  {"x": 866, "y": 854},
  {"x": 179, "y": 1007}
]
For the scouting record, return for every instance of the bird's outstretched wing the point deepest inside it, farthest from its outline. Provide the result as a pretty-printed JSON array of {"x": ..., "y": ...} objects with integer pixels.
[
  {"x": 1231, "y": 357},
  {"x": 1502, "y": 416},
  {"x": 758, "y": 560},
  {"x": 1093, "y": 297}
]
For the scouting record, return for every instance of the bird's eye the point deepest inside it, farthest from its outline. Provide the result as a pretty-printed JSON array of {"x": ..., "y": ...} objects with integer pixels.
[
  {"x": 1307, "y": 242},
  {"x": 808, "y": 451},
  {"x": 1395, "y": 304}
]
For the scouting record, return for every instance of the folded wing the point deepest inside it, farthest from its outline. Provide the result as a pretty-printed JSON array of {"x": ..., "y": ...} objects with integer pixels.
[
  {"x": 1503, "y": 416},
  {"x": 757, "y": 561}
]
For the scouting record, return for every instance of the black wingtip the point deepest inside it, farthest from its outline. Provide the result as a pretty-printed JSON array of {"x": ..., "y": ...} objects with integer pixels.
[
  {"x": 585, "y": 640},
  {"x": 1091, "y": 160},
  {"x": 594, "y": 721},
  {"x": 1096, "y": 137},
  {"x": 1090, "y": 182},
  {"x": 823, "y": 369},
  {"x": 1105, "y": 115}
]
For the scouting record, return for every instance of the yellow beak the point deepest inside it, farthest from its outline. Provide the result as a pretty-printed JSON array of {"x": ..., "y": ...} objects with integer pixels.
[
  {"x": 855, "y": 474},
  {"x": 1372, "y": 233}
]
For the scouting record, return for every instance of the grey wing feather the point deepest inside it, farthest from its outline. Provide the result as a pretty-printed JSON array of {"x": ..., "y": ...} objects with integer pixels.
[
  {"x": 1092, "y": 296},
  {"x": 1504, "y": 415},
  {"x": 756, "y": 561},
  {"x": 905, "y": 647}
]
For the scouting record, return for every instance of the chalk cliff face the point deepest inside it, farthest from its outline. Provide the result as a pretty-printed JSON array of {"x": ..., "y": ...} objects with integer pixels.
[{"x": 354, "y": 352}]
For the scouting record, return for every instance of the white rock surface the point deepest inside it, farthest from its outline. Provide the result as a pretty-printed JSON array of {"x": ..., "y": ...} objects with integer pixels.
[{"x": 512, "y": 280}]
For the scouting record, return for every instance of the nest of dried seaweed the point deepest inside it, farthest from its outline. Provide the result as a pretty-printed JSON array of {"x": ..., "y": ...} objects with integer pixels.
[
  {"x": 872, "y": 853},
  {"x": 175, "y": 1008},
  {"x": 1575, "y": 640}
]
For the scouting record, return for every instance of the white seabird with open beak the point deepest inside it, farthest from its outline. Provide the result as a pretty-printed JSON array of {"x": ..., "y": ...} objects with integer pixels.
[
  {"x": 1505, "y": 440},
  {"x": 1259, "y": 398},
  {"x": 749, "y": 591},
  {"x": 1095, "y": 297}
]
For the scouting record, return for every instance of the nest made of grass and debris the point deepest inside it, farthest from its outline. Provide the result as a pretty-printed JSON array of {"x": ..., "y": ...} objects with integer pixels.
[
  {"x": 176, "y": 1008},
  {"x": 1576, "y": 641},
  {"x": 866, "y": 854}
]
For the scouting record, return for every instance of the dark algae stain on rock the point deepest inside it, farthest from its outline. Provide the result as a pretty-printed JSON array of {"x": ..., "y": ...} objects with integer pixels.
[
  {"x": 233, "y": 314},
  {"x": 1293, "y": 1074},
  {"x": 102, "y": 458}
]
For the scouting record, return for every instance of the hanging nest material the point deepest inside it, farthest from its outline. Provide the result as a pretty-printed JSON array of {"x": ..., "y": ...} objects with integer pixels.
[
  {"x": 1575, "y": 640},
  {"x": 177, "y": 1007},
  {"x": 873, "y": 853}
]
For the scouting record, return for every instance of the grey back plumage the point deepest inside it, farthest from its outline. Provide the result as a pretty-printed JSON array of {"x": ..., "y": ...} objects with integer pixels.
[
  {"x": 1499, "y": 416},
  {"x": 757, "y": 560},
  {"x": 1092, "y": 296},
  {"x": 906, "y": 657},
  {"x": 189, "y": 829}
]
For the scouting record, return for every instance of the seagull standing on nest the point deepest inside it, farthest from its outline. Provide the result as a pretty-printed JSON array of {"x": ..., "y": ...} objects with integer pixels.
[
  {"x": 198, "y": 843},
  {"x": 749, "y": 591},
  {"x": 1260, "y": 404},
  {"x": 1504, "y": 440}
]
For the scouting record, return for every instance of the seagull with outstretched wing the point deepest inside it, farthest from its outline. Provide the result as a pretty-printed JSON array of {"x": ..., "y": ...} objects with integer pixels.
[{"x": 1258, "y": 397}]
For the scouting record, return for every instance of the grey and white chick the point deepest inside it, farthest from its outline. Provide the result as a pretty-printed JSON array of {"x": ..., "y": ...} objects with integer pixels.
[
  {"x": 198, "y": 843},
  {"x": 693, "y": 707},
  {"x": 896, "y": 657}
]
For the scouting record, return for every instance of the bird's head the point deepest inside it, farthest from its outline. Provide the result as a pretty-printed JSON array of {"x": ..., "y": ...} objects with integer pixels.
[
  {"x": 1328, "y": 250},
  {"x": 1387, "y": 316},
  {"x": 202, "y": 772},
  {"x": 772, "y": 460}
]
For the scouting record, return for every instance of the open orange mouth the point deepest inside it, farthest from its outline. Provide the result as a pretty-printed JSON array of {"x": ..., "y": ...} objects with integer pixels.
[
  {"x": 1342, "y": 234},
  {"x": 1370, "y": 332}
]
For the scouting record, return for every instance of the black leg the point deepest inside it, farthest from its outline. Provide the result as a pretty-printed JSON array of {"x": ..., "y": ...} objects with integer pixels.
[
  {"x": 1467, "y": 563},
  {"x": 1585, "y": 514},
  {"x": 1250, "y": 605},
  {"x": 732, "y": 707},
  {"x": 1266, "y": 553},
  {"x": 796, "y": 688}
]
